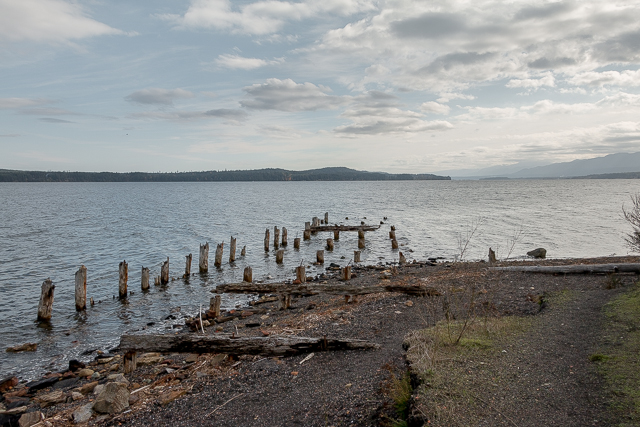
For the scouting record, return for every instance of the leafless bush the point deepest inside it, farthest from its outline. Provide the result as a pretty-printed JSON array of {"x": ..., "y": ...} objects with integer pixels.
[
  {"x": 633, "y": 217},
  {"x": 465, "y": 237},
  {"x": 516, "y": 237}
]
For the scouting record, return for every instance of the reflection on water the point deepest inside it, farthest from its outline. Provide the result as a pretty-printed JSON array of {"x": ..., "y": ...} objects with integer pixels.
[{"x": 50, "y": 229}]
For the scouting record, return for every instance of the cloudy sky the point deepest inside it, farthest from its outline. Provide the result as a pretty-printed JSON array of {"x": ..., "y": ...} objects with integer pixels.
[{"x": 397, "y": 86}]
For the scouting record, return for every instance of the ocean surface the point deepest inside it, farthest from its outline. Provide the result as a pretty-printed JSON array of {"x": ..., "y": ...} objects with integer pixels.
[{"x": 51, "y": 229}]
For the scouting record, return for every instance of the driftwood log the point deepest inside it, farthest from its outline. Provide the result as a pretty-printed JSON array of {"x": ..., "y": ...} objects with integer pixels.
[
  {"x": 266, "y": 346},
  {"x": 311, "y": 289},
  {"x": 317, "y": 228},
  {"x": 574, "y": 269}
]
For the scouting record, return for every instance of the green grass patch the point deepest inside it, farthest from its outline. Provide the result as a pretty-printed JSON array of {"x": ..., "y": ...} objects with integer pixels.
[{"x": 619, "y": 359}]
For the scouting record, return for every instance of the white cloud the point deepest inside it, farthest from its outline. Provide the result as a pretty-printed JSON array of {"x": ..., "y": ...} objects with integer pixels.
[
  {"x": 262, "y": 17},
  {"x": 49, "y": 21},
  {"x": 435, "y": 108},
  {"x": 158, "y": 96},
  {"x": 232, "y": 115},
  {"x": 607, "y": 78},
  {"x": 13, "y": 103},
  {"x": 549, "y": 107},
  {"x": 242, "y": 63},
  {"x": 446, "y": 97},
  {"x": 287, "y": 95},
  {"x": 547, "y": 80}
]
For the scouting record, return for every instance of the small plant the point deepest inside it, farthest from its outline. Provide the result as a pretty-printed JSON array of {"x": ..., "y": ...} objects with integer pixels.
[
  {"x": 465, "y": 237},
  {"x": 613, "y": 281},
  {"x": 597, "y": 357},
  {"x": 633, "y": 217},
  {"x": 515, "y": 238},
  {"x": 399, "y": 390}
]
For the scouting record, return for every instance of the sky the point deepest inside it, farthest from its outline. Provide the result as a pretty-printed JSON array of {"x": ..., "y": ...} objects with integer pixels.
[{"x": 396, "y": 86}]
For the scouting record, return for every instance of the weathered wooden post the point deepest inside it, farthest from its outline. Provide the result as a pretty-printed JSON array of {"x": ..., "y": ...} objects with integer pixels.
[
  {"x": 306, "y": 235},
  {"x": 124, "y": 277},
  {"x": 218, "y": 261},
  {"x": 492, "y": 256},
  {"x": 330, "y": 244},
  {"x": 361, "y": 243},
  {"x": 144, "y": 279},
  {"x": 45, "y": 307},
  {"x": 301, "y": 274},
  {"x": 248, "y": 275},
  {"x": 156, "y": 281},
  {"x": 164, "y": 272},
  {"x": 392, "y": 235},
  {"x": 204, "y": 258},
  {"x": 187, "y": 266},
  {"x": 346, "y": 273},
  {"x": 320, "y": 256},
  {"x": 130, "y": 361},
  {"x": 393, "y": 228},
  {"x": 296, "y": 243},
  {"x": 214, "y": 305},
  {"x": 285, "y": 301},
  {"x": 243, "y": 252},
  {"x": 360, "y": 234},
  {"x": 276, "y": 238},
  {"x": 356, "y": 256},
  {"x": 81, "y": 288},
  {"x": 279, "y": 256},
  {"x": 307, "y": 225},
  {"x": 394, "y": 244},
  {"x": 232, "y": 249},
  {"x": 336, "y": 235},
  {"x": 326, "y": 217},
  {"x": 315, "y": 221},
  {"x": 266, "y": 240},
  {"x": 402, "y": 259},
  {"x": 284, "y": 236}
]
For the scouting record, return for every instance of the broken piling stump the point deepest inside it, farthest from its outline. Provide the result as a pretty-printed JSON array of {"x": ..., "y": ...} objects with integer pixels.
[
  {"x": 392, "y": 235},
  {"x": 279, "y": 256},
  {"x": 218, "y": 260},
  {"x": 332, "y": 289},
  {"x": 214, "y": 305},
  {"x": 326, "y": 217},
  {"x": 394, "y": 244},
  {"x": 330, "y": 244},
  {"x": 492, "y": 256},
  {"x": 130, "y": 361},
  {"x": 232, "y": 250},
  {"x": 285, "y": 301},
  {"x": 243, "y": 252},
  {"x": 360, "y": 234},
  {"x": 123, "y": 277},
  {"x": 356, "y": 256},
  {"x": 320, "y": 256},
  {"x": 144, "y": 279},
  {"x": 306, "y": 234},
  {"x": 248, "y": 275},
  {"x": 346, "y": 273},
  {"x": 401, "y": 259},
  {"x": 284, "y": 236},
  {"x": 266, "y": 240},
  {"x": 296, "y": 243},
  {"x": 164, "y": 272},
  {"x": 187, "y": 266},
  {"x": 81, "y": 288},
  {"x": 45, "y": 307},
  {"x": 204, "y": 258},
  {"x": 276, "y": 238},
  {"x": 301, "y": 274},
  {"x": 361, "y": 243}
]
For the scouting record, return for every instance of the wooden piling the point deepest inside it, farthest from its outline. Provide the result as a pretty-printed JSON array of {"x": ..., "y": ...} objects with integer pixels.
[
  {"x": 266, "y": 240},
  {"x": 330, "y": 244},
  {"x": 402, "y": 259},
  {"x": 123, "y": 278},
  {"x": 276, "y": 238},
  {"x": 232, "y": 250},
  {"x": 361, "y": 243},
  {"x": 187, "y": 266},
  {"x": 164, "y": 272},
  {"x": 214, "y": 305},
  {"x": 248, "y": 275},
  {"x": 346, "y": 273},
  {"x": 360, "y": 234},
  {"x": 81, "y": 288},
  {"x": 301, "y": 274},
  {"x": 393, "y": 228},
  {"x": 306, "y": 235},
  {"x": 326, "y": 217},
  {"x": 284, "y": 236},
  {"x": 307, "y": 225},
  {"x": 392, "y": 235},
  {"x": 279, "y": 256},
  {"x": 156, "y": 281},
  {"x": 336, "y": 235},
  {"x": 394, "y": 244},
  {"x": 144, "y": 279},
  {"x": 356, "y": 256},
  {"x": 492, "y": 256},
  {"x": 285, "y": 301},
  {"x": 296, "y": 243},
  {"x": 320, "y": 256},
  {"x": 315, "y": 221},
  {"x": 130, "y": 361},
  {"x": 243, "y": 252},
  {"x": 45, "y": 307},
  {"x": 204, "y": 258},
  {"x": 218, "y": 260}
]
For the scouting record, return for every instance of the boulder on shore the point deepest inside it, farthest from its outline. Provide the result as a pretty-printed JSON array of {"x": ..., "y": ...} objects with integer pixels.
[
  {"x": 114, "y": 398},
  {"x": 538, "y": 253}
]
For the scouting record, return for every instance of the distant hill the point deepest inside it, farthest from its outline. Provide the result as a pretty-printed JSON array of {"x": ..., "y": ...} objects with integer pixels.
[
  {"x": 623, "y": 175},
  {"x": 611, "y": 164},
  {"x": 324, "y": 174}
]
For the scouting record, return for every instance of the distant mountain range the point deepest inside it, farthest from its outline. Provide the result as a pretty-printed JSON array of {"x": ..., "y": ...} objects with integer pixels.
[
  {"x": 324, "y": 174},
  {"x": 620, "y": 165}
]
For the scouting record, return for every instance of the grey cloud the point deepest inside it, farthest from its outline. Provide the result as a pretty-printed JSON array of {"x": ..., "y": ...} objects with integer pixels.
[
  {"x": 223, "y": 113},
  {"x": 48, "y": 112},
  {"x": 287, "y": 95},
  {"x": 227, "y": 113},
  {"x": 52, "y": 120},
  {"x": 451, "y": 60},
  {"x": 10, "y": 135},
  {"x": 543, "y": 12},
  {"x": 387, "y": 126},
  {"x": 429, "y": 26},
  {"x": 158, "y": 96},
  {"x": 624, "y": 48},
  {"x": 10, "y": 103},
  {"x": 548, "y": 63}
]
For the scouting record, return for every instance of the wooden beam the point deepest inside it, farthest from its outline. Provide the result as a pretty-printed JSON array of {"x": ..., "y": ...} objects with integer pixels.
[{"x": 344, "y": 228}]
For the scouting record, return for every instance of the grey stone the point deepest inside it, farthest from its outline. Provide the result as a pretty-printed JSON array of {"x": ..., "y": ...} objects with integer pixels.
[
  {"x": 86, "y": 372},
  {"x": 538, "y": 253},
  {"x": 83, "y": 413},
  {"x": 16, "y": 411},
  {"x": 98, "y": 389},
  {"x": 118, "y": 378},
  {"x": 113, "y": 399},
  {"x": 52, "y": 398},
  {"x": 30, "y": 418}
]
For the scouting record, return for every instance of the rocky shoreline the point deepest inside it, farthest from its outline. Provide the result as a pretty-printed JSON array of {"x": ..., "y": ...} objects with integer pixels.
[{"x": 318, "y": 388}]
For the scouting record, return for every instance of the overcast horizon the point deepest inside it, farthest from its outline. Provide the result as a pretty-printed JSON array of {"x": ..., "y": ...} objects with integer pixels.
[{"x": 394, "y": 86}]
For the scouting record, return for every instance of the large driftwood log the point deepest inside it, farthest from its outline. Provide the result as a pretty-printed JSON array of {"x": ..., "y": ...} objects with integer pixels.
[
  {"x": 574, "y": 269},
  {"x": 266, "y": 346},
  {"x": 312, "y": 289},
  {"x": 317, "y": 228}
]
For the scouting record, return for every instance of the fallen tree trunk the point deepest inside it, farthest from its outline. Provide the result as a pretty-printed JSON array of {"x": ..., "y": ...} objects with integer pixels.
[
  {"x": 310, "y": 289},
  {"x": 266, "y": 346},
  {"x": 574, "y": 269},
  {"x": 317, "y": 228}
]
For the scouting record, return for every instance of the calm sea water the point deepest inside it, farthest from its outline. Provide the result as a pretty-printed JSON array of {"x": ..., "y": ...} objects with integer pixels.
[{"x": 50, "y": 229}]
